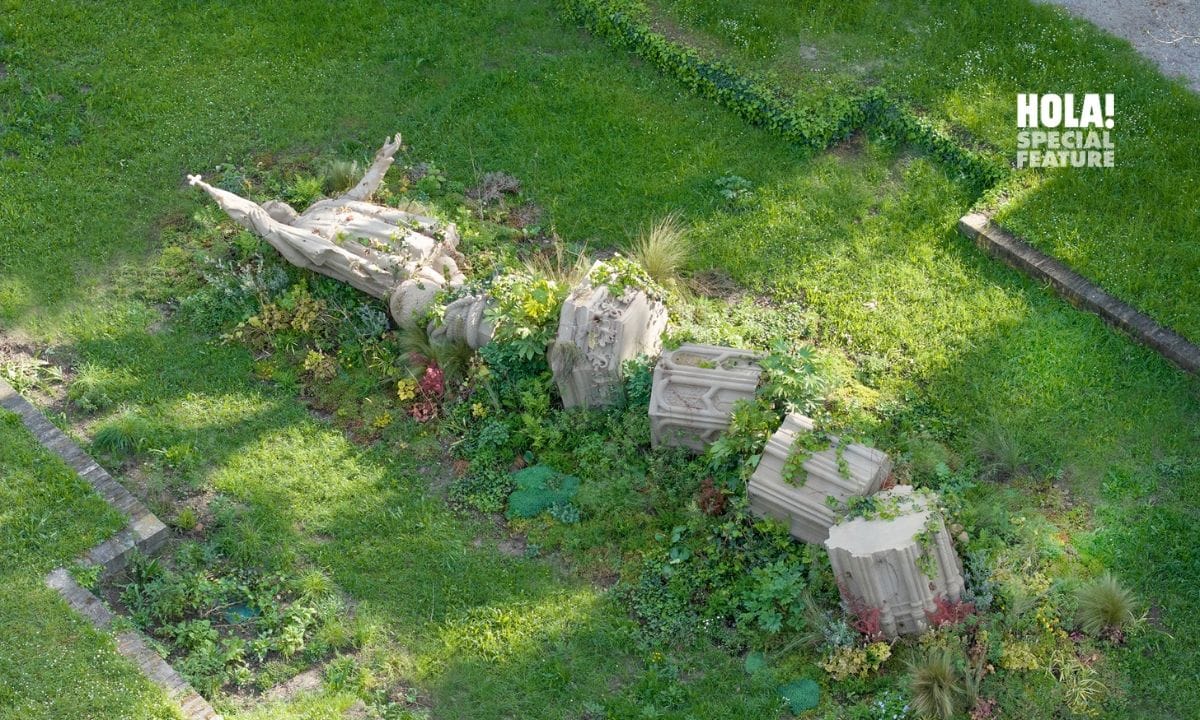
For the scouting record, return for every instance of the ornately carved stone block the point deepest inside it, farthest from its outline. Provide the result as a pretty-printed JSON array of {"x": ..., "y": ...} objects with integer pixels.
[
  {"x": 694, "y": 390},
  {"x": 802, "y": 502},
  {"x": 898, "y": 559},
  {"x": 598, "y": 331}
]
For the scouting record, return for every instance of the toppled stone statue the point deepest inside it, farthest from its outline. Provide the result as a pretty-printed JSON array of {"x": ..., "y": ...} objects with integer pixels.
[
  {"x": 694, "y": 390},
  {"x": 399, "y": 256},
  {"x": 803, "y": 501},
  {"x": 605, "y": 321},
  {"x": 896, "y": 559}
]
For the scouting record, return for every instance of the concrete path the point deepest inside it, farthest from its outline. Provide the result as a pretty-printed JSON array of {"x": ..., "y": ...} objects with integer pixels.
[{"x": 1165, "y": 31}]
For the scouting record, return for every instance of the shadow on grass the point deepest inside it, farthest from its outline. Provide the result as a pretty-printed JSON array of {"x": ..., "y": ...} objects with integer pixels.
[
  {"x": 606, "y": 147},
  {"x": 602, "y": 145},
  {"x": 53, "y": 664},
  {"x": 866, "y": 240}
]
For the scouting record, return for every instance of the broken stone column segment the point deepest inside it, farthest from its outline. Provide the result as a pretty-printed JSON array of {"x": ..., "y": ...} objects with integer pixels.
[
  {"x": 827, "y": 479},
  {"x": 695, "y": 388},
  {"x": 600, "y": 327},
  {"x": 897, "y": 558}
]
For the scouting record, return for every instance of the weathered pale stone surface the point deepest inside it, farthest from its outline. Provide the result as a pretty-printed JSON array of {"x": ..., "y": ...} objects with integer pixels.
[
  {"x": 596, "y": 333},
  {"x": 802, "y": 502},
  {"x": 695, "y": 388},
  {"x": 876, "y": 562},
  {"x": 464, "y": 320},
  {"x": 392, "y": 254}
]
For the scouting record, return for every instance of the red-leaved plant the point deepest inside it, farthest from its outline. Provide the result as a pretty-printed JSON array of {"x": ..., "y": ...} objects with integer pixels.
[
  {"x": 433, "y": 382},
  {"x": 949, "y": 612},
  {"x": 985, "y": 709},
  {"x": 712, "y": 500},
  {"x": 864, "y": 619},
  {"x": 430, "y": 388}
]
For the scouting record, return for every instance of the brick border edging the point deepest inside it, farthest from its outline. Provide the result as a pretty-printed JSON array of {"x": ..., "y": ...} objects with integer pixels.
[
  {"x": 144, "y": 533},
  {"x": 131, "y": 645},
  {"x": 1080, "y": 291}
]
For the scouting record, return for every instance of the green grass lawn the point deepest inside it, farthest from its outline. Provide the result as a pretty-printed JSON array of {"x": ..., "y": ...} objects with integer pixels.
[
  {"x": 478, "y": 633},
  {"x": 111, "y": 105},
  {"x": 53, "y": 664},
  {"x": 1129, "y": 228}
]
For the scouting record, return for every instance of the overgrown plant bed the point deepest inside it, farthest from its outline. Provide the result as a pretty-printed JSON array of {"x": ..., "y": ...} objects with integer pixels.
[
  {"x": 228, "y": 626},
  {"x": 692, "y": 567},
  {"x": 957, "y": 361}
]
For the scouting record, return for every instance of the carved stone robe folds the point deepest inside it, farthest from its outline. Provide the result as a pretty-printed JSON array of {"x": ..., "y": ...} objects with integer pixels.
[{"x": 395, "y": 255}]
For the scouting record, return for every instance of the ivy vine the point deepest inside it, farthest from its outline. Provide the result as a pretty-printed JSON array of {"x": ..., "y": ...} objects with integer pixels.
[{"x": 620, "y": 23}]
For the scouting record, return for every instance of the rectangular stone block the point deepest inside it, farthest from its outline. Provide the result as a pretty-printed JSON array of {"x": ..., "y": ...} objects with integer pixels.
[
  {"x": 803, "y": 502},
  {"x": 695, "y": 388}
]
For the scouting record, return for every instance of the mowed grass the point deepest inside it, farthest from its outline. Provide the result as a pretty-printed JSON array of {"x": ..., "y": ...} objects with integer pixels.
[
  {"x": 109, "y": 106},
  {"x": 472, "y": 630},
  {"x": 159, "y": 102},
  {"x": 53, "y": 664},
  {"x": 1128, "y": 228},
  {"x": 951, "y": 341},
  {"x": 958, "y": 344}
]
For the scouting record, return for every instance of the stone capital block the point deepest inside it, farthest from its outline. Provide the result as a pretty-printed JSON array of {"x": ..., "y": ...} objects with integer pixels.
[
  {"x": 803, "y": 502},
  {"x": 897, "y": 559},
  {"x": 597, "y": 331},
  {"x": 695, "y": 388}
]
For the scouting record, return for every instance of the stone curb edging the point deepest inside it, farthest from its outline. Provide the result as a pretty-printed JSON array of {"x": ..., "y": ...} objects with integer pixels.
[
  {"x": 144, "y": 533},
  {"x": 1080, "y": 291},
  {"x": 131, "y": 645}
]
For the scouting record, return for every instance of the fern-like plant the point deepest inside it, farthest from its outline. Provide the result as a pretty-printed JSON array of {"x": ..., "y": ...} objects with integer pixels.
[
  {"x": 1106, "y": 608},
  {"x": 663, "y": 251},
  {"x": 792, "y": 381},
  {"x": 303, "y": 190},
  {"x": 937, "y": 685}
]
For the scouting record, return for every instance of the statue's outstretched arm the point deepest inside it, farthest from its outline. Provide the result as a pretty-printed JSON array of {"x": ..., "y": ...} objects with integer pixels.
[
  {"x": 374, "y": 175},
  {"x": 305, "y": 248},
  {"x": 247, "y": 213}
]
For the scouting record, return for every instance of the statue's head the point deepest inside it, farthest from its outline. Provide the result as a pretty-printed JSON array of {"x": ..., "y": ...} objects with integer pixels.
[{"x": 280, "y": 211}]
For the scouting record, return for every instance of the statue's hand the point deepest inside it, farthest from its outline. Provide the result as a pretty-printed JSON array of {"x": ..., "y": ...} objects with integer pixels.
[
  {"x": 374, "y": 175},
  {"x": 391, "y": 146}
]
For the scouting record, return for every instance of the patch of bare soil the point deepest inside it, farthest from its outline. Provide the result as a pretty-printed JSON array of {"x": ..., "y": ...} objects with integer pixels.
[
  {"x": 307, "y": 681},
  {"x": 513, "y": 546},
  {"x": 148, "y": 488},
  {"x": 42, "y": 375},
  {"x": 852, "y": 147},
  {"x": 716, "y": 284}
]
